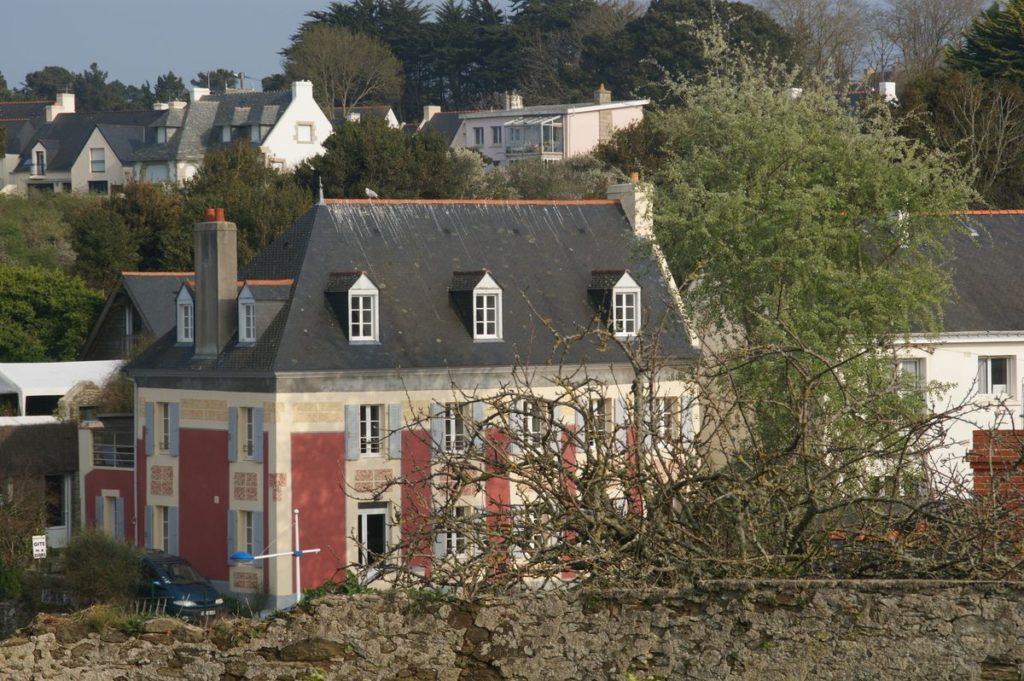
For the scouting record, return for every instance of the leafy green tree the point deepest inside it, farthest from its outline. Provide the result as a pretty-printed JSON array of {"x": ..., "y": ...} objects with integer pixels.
[
  {"x": 5, "y": 92},
  {"x": 45, "y": 315},
  {"x": 33, "y": 231},
  {"x": 346, "y": 68},
  {"x": 369, "y": 154},
  {"x": 261, "y": 201},
  {"x": 47, "y": 82},
  {"x": 101, "y": 569},
  {"x": 169, "y": 87},
  {"x": 274, "y": 83},
  {"x": 105, "y": 245},
  {"x": 991, "y": 46},
  {"x": 218, "y": 80},
  {"x": 580, "y": 177},
  {"x": 152, "y": 214}
]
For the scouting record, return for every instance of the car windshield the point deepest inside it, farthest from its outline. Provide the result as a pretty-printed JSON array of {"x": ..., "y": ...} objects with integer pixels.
[{"x": 181, "y": 573}]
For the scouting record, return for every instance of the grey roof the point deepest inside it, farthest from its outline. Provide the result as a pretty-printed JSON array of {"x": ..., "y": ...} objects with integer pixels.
[
  {"x": 249, "y": 108},
  {"x": 988, "y": 275},
  {"x": 190, "y": 142},
  {"x": 170, "y": 118},
  {"x": 20, "y": 120},
  {"x": 542, "y": 254},
  {"x": 153, "y": 293},
  {"x": 367, "y": 111},
  {"x": 446, "y": 123},
  {"x": 466, "y": 281},
  {"x": 23, "y": 110},
  {"x": 65, "y": 137}
]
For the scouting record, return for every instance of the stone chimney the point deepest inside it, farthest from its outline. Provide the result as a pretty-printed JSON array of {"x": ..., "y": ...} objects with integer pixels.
[
  {"x": 64, "y": 103},
  {"x": 302, "y": 89},
  {"x": 887, "y": 91},
  {"x": 602, "y": 96},
  {"x": 199, "y": 92},
  {"x": 429, "y": 111},
  {"x": 513, "y": 100},
  {"x": 216, "y": 267},
  {"x": 635, "y": 199}
]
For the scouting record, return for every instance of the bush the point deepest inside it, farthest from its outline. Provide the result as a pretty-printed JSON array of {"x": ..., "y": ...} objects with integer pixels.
[{"x": 101, "y": 569}]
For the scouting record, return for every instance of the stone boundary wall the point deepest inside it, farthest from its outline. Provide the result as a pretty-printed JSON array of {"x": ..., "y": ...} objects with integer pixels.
[{"x": 763, "y": 630}]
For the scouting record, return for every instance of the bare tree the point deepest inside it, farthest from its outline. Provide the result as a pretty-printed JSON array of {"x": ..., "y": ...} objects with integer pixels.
[
  {"x": 922, "y": 29},
  {"x": 346, "y": 68},
  {"x": 831, "y": 36}
]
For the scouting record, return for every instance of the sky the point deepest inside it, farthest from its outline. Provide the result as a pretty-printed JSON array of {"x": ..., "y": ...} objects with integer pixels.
[{"x": 137, "y": 40}]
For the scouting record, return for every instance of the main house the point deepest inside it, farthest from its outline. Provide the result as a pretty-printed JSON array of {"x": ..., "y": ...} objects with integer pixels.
[
  {"x": 549, "y": 132},
  {"x": 359, "y": 344}
]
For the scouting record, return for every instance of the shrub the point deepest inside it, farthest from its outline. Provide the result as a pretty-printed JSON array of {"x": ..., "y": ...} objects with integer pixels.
[{"x": 101, "y": 569}]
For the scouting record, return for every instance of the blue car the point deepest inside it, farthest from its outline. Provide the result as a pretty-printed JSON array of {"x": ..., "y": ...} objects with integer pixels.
[{"x": 173, "y": 583}]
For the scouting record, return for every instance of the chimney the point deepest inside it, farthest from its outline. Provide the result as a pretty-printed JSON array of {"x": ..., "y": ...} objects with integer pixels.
[
  {"x": 602, "y": 96},
  {"x": 161, "y": 106},
  {"x": 200, "y": 92},
  {"x": 302, "y": 89},
  {"x": 635, "y": 199},
  {"x": 429, "y": 111},
  {"x": 515, "y": 100},
  {"x": 887, "y": 90},
  {"x": 176, "y": 104},
  {"x": 216, "y": 267},
  {"x": 64, "y": 103}
]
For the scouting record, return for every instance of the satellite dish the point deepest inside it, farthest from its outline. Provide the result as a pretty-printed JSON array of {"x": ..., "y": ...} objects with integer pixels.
[{"x": 370, "y": 194}]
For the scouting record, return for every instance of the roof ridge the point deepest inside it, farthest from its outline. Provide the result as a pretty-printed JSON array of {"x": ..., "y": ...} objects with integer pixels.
[
  {"x": 480, "y": 202},
  {"x": 1000, "y": 211}
]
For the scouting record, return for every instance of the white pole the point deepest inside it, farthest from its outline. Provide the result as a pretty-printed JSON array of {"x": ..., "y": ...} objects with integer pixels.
[{"x": 298, "y": 575}]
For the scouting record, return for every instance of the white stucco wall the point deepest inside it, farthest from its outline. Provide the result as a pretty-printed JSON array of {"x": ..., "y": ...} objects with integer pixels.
[
  {"x": 81, "y": 170},
  {"x": 281, "y": 143}
]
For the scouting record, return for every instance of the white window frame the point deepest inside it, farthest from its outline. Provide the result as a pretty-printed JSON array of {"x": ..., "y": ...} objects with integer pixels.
[
  {"x": 455, "y": 539},
  {"x": 985, "y": 384},
  {"x": 454, "y": 428},
  {"x": 478, "y": 136},
  {"x": 161, "y": 135},
  {"x": 625, "y": 307},
  {"x": 538, "y": 419},
  {"x": 39, "y": 162},
  {"x": 304, "y": 133},
  {"x": 495, "y": 134},
  {"x": 246, "y": 316},
  {"x": 666, "y": 417},
  {"x": 97, "y": 160},
  {"x": 598, "y": 418},
  {"x": 913, "y": 366},
  {"x": 163, "y": 524},
  {"x": 225, "y": 134},
  {"x": 371, "y": 430},
  {"x": 186, "y": 317},
  {"x": 366, "y": 293},
  {"x": 163, "y": 427},
  {"x": 363, "y": 514},
  {"x": 487, "y": 299},
  {"x": 254, "y": 134}
]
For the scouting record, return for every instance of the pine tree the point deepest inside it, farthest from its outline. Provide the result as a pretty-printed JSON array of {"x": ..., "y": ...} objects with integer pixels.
[{"x": 992, "y": 45}]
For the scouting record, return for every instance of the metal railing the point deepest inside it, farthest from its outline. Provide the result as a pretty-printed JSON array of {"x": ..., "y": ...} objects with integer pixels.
[{"x": 113, "y": 449}]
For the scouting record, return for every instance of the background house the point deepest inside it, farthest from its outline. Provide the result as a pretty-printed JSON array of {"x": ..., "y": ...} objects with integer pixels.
[
  {"x": 359, "y": 342},
  {"x": 20, "y": 121}
]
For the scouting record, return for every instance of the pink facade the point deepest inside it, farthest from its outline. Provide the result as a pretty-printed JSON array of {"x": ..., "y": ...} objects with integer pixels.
[
  {"x": 318, "y": 480},
  {"x": 203, "y": 496}
]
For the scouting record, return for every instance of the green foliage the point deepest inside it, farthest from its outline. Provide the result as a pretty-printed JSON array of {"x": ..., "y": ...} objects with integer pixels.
[
  {"x": 101, "y": 569},
  {"x": 169, "y": 87},
  {"x": 350, "y": 586},
  {"x": 991, "y": 46},
  {"x": 22, "y": 515},
  {"x": 153, "y": 215},
  {"x": 104, "y": 243},
  {"x": 218, "y": 80},
  {"x": 33, "y": 231},
  {"x": 261, "y": 201},
  {"x": 581, "y": 177},
  {"x": 44, "y": 314}
]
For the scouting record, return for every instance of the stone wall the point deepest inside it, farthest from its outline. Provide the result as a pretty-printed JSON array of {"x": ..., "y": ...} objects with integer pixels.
[{"x": 819, "y": 630}]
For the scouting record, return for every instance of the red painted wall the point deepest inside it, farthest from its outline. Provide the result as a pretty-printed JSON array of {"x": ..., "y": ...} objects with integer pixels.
[
  {"x": 100, "y": 479},
  {"x": 318, "y": 491},
  {"x": 416, "y": 496},
  {"x": 203, "y": 524}
]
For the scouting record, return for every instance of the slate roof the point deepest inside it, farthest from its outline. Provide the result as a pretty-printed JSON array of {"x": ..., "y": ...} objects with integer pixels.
[
  {"x": 445, "y": 123},
  {"x": 988, "y": 274},
  {"x": 380, "y": 111},
  {"x": 65, "y": 137},
  {"x": 542, "y": 254},
  {"x": 23, "y": 110},
  {"x": 153, "y": 293}
]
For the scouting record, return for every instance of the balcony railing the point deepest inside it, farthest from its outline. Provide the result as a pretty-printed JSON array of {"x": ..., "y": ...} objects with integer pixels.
[{"x": 113, "y": 449}]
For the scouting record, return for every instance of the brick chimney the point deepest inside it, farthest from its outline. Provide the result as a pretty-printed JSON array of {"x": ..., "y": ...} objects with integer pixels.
[
  {"x": 635, "y": 199},
  {"x": 216, "y": 267},
  {"x": 602, "y": 96}
]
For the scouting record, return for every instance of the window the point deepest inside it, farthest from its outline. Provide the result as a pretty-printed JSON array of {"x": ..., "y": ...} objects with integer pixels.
[
  {"x": 486, "y": 308},
  {"x": 304, "y": 133},
  {"x": 372, "y": 532},
  {"x": 538, "y": 416},
  {"x": 248, "y": 527},
  {"x": 515, "y": 134},
  {"x": 624, "y": 313},
  {"x": 162, "y": 525},
  {"x": 66, "y": 187},
  {"x": 478, "y": 137},
  {"x": 454, "y": 428},
  {"x": 163, "y": 425},
  {"x": 665, "y": 418},
  {"x": 39, "y": 167},
  {"x": 56, "y": 501},
  {"x": 369, "y": 430},
  {"x": 911, "y": 372},
  {"x": 161, "y": 135},
  {"x": 99, "y": 187},
  {"x": 98, "y": 160},
  {"x": 454, "y": 537},
  {"x": 597, "y": 420},
  {"x": 994, "y": 375},
  {"x": 186, "y": 318},
  {"x": 225, "y": 134},
  {"x": 248, "y": 440},
  {"x": 362, "y": 315},
  {"x": 495, "y": 134},
  {"x": 247, "y": 325},
  {"x": 254, "y": 134}
]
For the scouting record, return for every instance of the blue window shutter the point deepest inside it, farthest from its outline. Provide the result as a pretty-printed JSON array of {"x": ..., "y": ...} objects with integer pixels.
[
  {"x": 232, "y": 434},
  {"x": 257, "y": 541},
  {"x": 395, "y": 431},
  {"x": 150, "y": 422},
  {"x": 148, "y": 536},
  {"x": 119, "y": 518},
  {"x": 173, "y": 414},
  {"x": 232, "y": 526},
  {"x": 99, "y": 513},
  {"x": 257, "y": 434},
  {"x": 621, "y": 421},
  {"x": 351, "y": 432},
  {"x": 436, "y": 428},
  {"x": 172, "y": 530}
]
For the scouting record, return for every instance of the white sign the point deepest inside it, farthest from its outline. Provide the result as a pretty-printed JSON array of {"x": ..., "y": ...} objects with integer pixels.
[{"x": 39, "y": 546}]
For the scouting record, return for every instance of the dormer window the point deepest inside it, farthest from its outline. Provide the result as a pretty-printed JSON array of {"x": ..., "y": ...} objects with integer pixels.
[
  {"x": 225, "y": 134},
  {"x": 246, "y": 316},
  {"x": 356, "y": 302},
  {"x": 477, "y": 299},
  {"x": 186, "y": 316},
  {"x": 618, "y": 297}
]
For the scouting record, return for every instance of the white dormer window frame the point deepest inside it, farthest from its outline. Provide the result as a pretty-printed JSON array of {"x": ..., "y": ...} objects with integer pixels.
[
  {"x": 186, "y": 317},
  {"x": 487, "y": 308},
  {"x": 363, "y": 311},
  {"x": 225, "y": 134},
  {"x": 246, "y": 316},
  {"x": 625, "y": 307}
]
